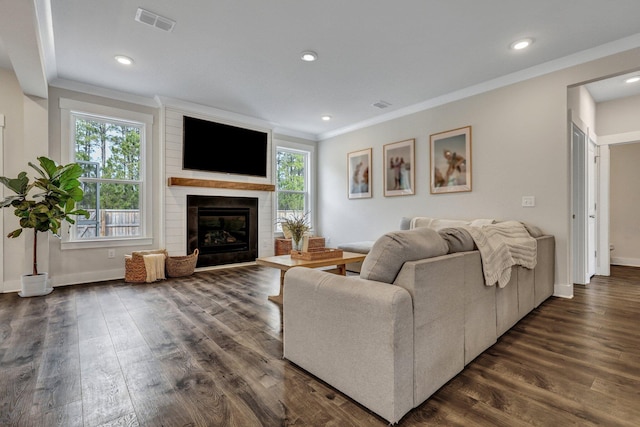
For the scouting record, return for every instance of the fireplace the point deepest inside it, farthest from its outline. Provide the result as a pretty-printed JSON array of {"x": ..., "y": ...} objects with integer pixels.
[{"x": 224, "y": 229}]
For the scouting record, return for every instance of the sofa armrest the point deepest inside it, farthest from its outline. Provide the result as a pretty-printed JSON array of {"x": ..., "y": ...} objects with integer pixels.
[{"x": 355, "y": 334}]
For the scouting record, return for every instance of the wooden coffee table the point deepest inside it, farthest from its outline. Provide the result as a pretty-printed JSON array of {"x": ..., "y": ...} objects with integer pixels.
[{"x": 285, "y": 262}]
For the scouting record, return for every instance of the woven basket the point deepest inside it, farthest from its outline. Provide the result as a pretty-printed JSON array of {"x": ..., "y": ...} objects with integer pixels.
[
  {"x": 134, "y": 269},
  {"x": 179, "y": 266}
]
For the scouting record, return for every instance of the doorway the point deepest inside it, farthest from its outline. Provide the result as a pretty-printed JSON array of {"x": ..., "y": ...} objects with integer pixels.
[
  {"x": 579, "y": 204},
  {"x": 2, "y": 195}
]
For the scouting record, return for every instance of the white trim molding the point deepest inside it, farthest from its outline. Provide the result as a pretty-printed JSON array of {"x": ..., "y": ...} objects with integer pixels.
[
  {"x": 563, "y": 290},
  {"x": 619, "y": 138},
  {"x": 627, "y": 262},
  {"x": 2, "y": 289}
]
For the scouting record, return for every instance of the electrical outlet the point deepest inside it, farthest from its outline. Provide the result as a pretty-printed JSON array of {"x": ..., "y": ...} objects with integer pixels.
[
  {"x": 111, "y": 253},
  {"x": 528, "y": 201}
]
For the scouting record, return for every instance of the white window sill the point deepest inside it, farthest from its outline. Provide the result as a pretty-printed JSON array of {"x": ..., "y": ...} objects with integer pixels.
[{"x": 106, "y": 243}]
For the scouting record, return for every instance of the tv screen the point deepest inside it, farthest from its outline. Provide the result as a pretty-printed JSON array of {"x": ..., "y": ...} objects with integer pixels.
[{"x": 217, "y": 147}]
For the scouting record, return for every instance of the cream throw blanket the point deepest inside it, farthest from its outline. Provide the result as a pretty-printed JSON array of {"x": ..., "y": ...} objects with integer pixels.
[
  {"x": 502, "y": 246},
  {"x": 154, "y": 264}
]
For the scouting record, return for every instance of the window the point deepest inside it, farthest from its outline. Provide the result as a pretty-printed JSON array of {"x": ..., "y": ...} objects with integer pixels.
[
  {"x": 111, "y": 150},
  {"x": 292, "y": 183}
]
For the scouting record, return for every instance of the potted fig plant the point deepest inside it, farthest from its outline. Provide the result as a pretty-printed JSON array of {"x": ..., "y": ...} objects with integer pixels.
[{"x": 57, "y": 191}]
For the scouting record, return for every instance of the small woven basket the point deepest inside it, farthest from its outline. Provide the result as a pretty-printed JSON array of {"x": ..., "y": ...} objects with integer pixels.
[
  {"x": 180, "y": 266},
  {"x": 134, "y": 269}
]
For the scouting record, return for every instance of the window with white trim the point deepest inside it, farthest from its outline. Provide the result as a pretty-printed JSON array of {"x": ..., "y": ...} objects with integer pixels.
[
  {"x": 110, "y": 145},
  {"x": 292, "y": 183}
]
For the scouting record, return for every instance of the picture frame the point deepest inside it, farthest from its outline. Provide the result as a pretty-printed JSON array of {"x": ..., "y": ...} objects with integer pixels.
[
  {"x": 450, "y": 153},
  {"x": 359, "y": 174},
  {"x": 399, "y": 168}
]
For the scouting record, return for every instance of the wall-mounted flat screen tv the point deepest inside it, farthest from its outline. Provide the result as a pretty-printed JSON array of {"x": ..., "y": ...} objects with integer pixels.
[{"x": 217, "y": 147}]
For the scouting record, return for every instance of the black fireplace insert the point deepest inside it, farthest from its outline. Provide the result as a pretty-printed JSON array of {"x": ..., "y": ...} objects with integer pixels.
[{"x": 224, "y": 229}]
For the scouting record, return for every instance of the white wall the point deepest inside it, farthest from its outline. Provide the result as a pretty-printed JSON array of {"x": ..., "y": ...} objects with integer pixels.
[
  {"x": 175, "y": 221},
  {"x": 176, "y": 197},
  {"x": 520, "y": 147},
  {"x": 618, "y": 120},
  {"x": 625, "y": 204},
  {"x": 25, "y": 138},
  {"x": 619, "y": 116}
]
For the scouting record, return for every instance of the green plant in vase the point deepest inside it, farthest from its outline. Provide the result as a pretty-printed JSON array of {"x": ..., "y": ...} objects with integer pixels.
[
  {"x": 298, "y": 225},
  {"x": 59, "y": 190}
]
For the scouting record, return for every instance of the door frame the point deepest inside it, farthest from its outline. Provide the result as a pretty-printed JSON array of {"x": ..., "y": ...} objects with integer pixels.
[
  {"x": 604, "y": 142},
  {"x": 2, "y": 195},
  {"x": 578, "y": 212}
]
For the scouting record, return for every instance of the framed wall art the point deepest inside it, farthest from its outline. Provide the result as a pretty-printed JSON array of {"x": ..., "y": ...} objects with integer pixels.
[
  {"x": 451, "y": 161},
  {"x": 359, "y": 174},
  {"x": 399, "y": 170}
]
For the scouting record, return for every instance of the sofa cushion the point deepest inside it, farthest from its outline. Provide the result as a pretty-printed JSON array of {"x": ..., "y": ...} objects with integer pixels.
[
  {"x": 358, "y": 247},
  {"x": 534, "y": 231},
  {"x": 393, "y": 249},
  {"x": 436, "y": 223},
  {"x": 458, "y": 239}
]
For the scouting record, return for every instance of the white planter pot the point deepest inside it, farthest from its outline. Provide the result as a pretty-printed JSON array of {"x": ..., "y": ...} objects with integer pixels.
[{"x": 35, "y": 285}]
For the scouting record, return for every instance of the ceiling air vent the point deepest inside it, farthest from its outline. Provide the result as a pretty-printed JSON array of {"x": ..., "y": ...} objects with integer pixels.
[
  {"x": 155, "y": 20},
  {"x": 381, "y": 104}
]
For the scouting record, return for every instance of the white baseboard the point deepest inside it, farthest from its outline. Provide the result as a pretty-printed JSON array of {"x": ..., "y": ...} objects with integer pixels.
[
  {"x": 563, "y": 290},
  {"x": 627, "y": 262},
  {"x": 87, "y": 277},
  {"x": 11, "y": 286},
  {"x": 96, "y": 276},
  {"x": 70, "y": 279}
]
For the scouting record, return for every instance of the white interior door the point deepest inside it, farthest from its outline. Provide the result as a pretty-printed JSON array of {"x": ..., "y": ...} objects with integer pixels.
[
  {"x": 579, "y": 205},
  {"x": 2, "y": 210},
  {"x": 592, "y": 188}
]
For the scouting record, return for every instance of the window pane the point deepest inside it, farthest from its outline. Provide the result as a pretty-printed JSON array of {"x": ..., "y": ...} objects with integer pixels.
[
  {"x": 114, "y": 211},
  {"x": 113, "y": 147},
  {"x": 89, "y": 169},
  {"x": 291, "y": 170},
  {"x": 291, "y": 202}
]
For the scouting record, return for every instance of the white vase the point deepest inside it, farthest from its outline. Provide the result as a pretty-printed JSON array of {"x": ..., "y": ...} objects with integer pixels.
[{"x": 33, "y": 286}]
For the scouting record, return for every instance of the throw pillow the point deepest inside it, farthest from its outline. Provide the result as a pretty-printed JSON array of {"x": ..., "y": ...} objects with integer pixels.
[
  {"x": 458, "y": 239},
  {"x": 405, "y": 223},
  {"x": 393, "y": 249},
  {"x": 533, "y": 230}
]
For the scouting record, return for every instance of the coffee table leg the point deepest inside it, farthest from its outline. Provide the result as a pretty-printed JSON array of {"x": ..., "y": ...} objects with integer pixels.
[
  {"x": 342, "y": 269},
  {"x": 278, "y": 298}
]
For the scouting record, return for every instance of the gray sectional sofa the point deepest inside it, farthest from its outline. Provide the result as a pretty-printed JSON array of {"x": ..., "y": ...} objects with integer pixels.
[{"x": 392, "y": 339}]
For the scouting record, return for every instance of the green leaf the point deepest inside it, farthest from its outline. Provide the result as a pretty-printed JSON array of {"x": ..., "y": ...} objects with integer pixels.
[
  {"x": 19, "y": 185},
  {"x": 48, "y": 165},
  {"x": 76, "y": 193},
  {"x": 15, "y": 233}
]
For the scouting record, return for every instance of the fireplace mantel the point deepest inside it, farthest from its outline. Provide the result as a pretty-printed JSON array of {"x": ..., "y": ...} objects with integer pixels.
[{"x": 210, "y": 183}]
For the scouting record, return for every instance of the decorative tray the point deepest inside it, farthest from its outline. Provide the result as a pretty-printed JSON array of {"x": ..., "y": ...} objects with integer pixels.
[{"x": 315, "y": 254}]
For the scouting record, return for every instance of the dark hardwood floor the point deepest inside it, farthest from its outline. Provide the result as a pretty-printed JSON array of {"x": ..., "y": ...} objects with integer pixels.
[{"x": 206, "y": 350}]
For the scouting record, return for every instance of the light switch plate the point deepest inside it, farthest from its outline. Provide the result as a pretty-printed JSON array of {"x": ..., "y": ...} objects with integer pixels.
[{"x": 528, "y": 201}]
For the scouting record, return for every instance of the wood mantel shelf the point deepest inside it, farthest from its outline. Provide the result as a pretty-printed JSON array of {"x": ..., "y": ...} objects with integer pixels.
[{"x": 210, "y": 183}]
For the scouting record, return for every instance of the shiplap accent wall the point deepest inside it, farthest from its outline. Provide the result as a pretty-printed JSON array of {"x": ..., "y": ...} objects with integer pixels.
[{"x": 175, "y": 206}]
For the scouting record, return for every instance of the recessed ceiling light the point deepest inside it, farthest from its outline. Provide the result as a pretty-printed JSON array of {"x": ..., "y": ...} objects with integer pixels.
[
  {"x": 633, "y": 79},
  {"x": 326, "y": 117},
  {"x": 521, "y": 44},
  {"x": 309, "y": 56},
  {"x": 124, "y": 60}
]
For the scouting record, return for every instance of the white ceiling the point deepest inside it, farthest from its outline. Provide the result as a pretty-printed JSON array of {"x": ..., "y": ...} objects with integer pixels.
[{"x": 244, "y": 56}]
